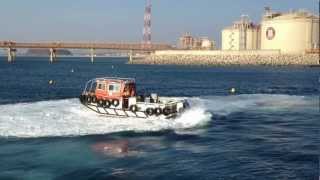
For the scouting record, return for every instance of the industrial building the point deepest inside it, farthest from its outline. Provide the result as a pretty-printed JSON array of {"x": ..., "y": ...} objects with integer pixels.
[
  {"x": 188, "y": 42},
  {"x": 242, "y": 35},
  {"x": 295, "y": 32}
]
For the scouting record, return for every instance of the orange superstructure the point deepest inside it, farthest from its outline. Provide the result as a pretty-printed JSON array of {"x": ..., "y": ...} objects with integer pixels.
[{"x": 114, "y": 89}]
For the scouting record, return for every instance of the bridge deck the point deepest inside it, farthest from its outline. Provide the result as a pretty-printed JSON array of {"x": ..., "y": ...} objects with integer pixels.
[{"x": 74, "y": 45}]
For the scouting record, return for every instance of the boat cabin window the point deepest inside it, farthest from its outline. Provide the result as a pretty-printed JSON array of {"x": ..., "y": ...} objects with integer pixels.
[
  {"x": 101, "y": 86},
  {"x": 114, "y": 87},
  {"x": 93, "y": 87}
]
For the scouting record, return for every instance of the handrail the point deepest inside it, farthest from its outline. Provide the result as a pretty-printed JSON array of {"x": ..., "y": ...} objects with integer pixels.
[
  {"x": 115, "y": 78},
  {"x": 91, "y": 82}
]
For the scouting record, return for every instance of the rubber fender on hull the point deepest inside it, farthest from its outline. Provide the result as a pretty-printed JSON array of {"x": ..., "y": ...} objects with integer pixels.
[
  {"x": 115, "y": 102},
  {"x": 186, "y": 105},
  {"x": 134, "y": 108},
  {"x": 82, "y": 98},
  {"x": 158, "y": 111},
  {"x": 88, "y": 99},
  {"x": 150, "y": 111},
  {"x": 166, "y": 111},
  {"x": 106, "y": 104},
  {"x": 101, "y": 103},
  {"x": 94, "y": 99}
]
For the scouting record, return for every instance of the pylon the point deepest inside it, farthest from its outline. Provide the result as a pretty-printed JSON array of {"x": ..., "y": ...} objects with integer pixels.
[{"x": 147, "y": 23}]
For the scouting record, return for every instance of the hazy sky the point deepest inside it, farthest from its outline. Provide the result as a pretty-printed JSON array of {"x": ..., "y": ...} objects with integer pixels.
[{"x": 122, "y": 20}]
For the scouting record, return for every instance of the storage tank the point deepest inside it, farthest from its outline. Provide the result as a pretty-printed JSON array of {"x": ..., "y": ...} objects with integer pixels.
[
  {"x": 243, "y": 35},
  {"x": 253, "y": 38},
  {"x": 230, "y": 39},
  {"x": 293, "y": 32}
]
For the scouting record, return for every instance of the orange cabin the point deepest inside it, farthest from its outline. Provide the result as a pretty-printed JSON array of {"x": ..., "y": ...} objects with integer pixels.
[{"x": 114, "y": 89}]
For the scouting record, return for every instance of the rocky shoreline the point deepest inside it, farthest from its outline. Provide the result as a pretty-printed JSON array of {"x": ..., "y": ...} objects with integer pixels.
[{"x": 225, "y": 60}]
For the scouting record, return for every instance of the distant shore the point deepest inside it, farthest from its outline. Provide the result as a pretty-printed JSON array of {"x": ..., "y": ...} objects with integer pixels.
[{"x": 229, "y": 58}]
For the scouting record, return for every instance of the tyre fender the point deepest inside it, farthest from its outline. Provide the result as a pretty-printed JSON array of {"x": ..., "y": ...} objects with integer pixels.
[
  {"x": 166, "y": 111},
  {"x": 94, "y": 99},
  {"x": 158, "y": 111},
  {"x": 134, "y": 108},
  {"x": 82, "y": 98},
  {"x": 115, "y": 102},
  {"x": 88, "y": 99},
  {"x": 100, "y": 103},
  {"x": 150, "y": 111},
  {"x": 106, "y": 103}
]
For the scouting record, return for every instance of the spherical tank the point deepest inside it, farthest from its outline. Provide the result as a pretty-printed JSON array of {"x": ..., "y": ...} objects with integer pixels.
[{"x": 290, "y": 33}]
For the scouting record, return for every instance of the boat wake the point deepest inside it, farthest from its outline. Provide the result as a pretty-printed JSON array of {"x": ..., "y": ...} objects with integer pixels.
[
  {"x": 70, "y": 118},
  {"x": 225, "y": 105}
]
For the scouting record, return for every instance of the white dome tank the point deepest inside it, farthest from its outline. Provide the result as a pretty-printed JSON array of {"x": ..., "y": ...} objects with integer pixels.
[{"x": 292, "y": 33}]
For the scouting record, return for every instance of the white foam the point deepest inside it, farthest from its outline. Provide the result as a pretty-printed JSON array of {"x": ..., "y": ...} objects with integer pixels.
[
  {"x": 70, "y": 118},
  {"x": 224, "y": 105}
]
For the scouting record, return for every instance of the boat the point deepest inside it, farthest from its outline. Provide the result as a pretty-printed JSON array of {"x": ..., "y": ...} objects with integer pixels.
[{"x": 113, "y": 96}]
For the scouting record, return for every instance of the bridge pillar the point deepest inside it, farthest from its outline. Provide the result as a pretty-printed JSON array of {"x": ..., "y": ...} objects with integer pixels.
[
  {"x": 92, "y": 54},
  {"x": 53, "y": 55},
  {"x": 130, "y": 56},
  {"x": 11, "y": 54}
]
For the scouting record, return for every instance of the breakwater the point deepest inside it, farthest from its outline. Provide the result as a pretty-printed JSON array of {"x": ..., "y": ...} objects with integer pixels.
[{"x": 270, "y": 58}]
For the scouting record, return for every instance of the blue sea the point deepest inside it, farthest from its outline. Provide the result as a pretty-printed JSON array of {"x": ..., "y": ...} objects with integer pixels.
[{"x": 268, "y": 129}]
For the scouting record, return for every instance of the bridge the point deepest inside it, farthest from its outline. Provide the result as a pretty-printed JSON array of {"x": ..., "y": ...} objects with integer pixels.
[{"x": 12, "y": 47}]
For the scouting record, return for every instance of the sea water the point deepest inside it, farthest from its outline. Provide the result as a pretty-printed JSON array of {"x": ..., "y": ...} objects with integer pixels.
[{"x": 268, "y": 129}]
